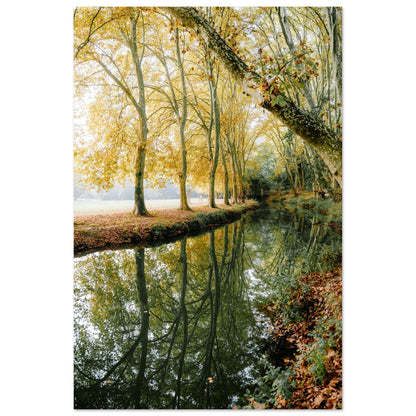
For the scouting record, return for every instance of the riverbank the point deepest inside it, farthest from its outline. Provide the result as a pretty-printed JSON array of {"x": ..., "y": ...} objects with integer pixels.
[
  {"x": 308, "y": 347},
  {"x": 98, "y": 232},
  {"x": 304, "y": 345},
  {"x": 329, "y": 212}
]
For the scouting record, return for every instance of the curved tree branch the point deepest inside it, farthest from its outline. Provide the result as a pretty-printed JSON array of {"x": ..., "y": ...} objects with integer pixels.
[{"x": 306, "y": 125}]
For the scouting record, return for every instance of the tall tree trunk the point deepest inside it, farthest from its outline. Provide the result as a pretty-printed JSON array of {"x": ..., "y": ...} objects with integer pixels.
[
  {"x": 336, "y": 48},
  {"x": 226, "y": 185},
  {"x": 234, "y": 181},
  {"x": 291, "y": 179},
  {"x": 284, "y": 24},
  {"x": 140, "y": 107},
  {"x": 182, "y": 175},
  {"x": 139, "y": 204},
  {"x": 306, "y": 125},
  {"x": 215, "y": 113},
  {"x": 211, "y": 176}
]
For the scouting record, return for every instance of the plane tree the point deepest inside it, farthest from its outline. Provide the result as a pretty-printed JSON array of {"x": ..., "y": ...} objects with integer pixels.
[
  {"x": 107, "y": 53},
  {"x": 268, "y": 91}
]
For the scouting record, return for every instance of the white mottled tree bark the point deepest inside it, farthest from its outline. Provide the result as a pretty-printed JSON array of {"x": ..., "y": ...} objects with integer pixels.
[{"x": 306, "y": 125}]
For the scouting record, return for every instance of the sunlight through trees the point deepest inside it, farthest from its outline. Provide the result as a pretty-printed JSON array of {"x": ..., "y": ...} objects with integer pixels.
[{"x": 197, "y": 95}]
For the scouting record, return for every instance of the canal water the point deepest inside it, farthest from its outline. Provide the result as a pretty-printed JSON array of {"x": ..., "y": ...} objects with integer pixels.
[{"x": 178, "y": 325}]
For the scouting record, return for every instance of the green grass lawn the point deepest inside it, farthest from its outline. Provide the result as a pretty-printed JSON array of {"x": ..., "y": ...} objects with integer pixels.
[{"x": 95, "y": 206}]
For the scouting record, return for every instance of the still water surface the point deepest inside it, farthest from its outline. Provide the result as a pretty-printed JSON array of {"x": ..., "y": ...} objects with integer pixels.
[{"x": 177, "y": 326}]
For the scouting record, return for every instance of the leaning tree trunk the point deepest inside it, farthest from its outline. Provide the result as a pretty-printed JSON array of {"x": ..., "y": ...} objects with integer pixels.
[{"x": 306, "y": 125}]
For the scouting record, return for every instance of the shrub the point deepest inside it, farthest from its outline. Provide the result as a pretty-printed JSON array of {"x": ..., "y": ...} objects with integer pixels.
[
  {"x": 326, "y": 335},
  {"x": 202, "y": 219},
  {"x": 275, "y": 383},
  {"x": 157, "y": 231}
]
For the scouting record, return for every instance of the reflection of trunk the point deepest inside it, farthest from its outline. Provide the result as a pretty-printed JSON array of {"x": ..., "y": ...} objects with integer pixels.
[
  {"x": 315, "y": 228},
  {"x": 231, "y": 280},
  {"x": 237, "y": 230},
  {"x": 233, "y": 246},
  {"x": 206, "y": 375},
  {"x": 225, "y": 250},
  {"x": 240, "y": 257},
  {"x": 184, "y": 314},
  {"x": 168, "y": 355},
  {"x": 140, "y": 383},
  {"x": 127, "y": 358}
]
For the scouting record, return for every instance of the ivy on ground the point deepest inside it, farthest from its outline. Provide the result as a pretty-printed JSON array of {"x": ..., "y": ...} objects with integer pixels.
[{"x": 309, "y": 374}]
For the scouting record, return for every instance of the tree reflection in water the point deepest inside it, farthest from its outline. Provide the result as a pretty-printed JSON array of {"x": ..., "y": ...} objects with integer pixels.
[
  {"x": 178, "y": 338},
  {"x": 175, "y": 326}
]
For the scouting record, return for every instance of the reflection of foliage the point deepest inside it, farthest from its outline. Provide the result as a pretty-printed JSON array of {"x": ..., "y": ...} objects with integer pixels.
[
  {"x": 304, "y": 304},
  {"x": 292, "y": 246},
  {"x": 196, "y": 341},
  {"x": 173, "y": 326}
]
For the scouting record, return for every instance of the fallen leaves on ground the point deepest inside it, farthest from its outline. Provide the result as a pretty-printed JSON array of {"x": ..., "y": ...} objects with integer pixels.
[
  {"x": 94, "y": 232},
  {"x": 324, "y": 299}
]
